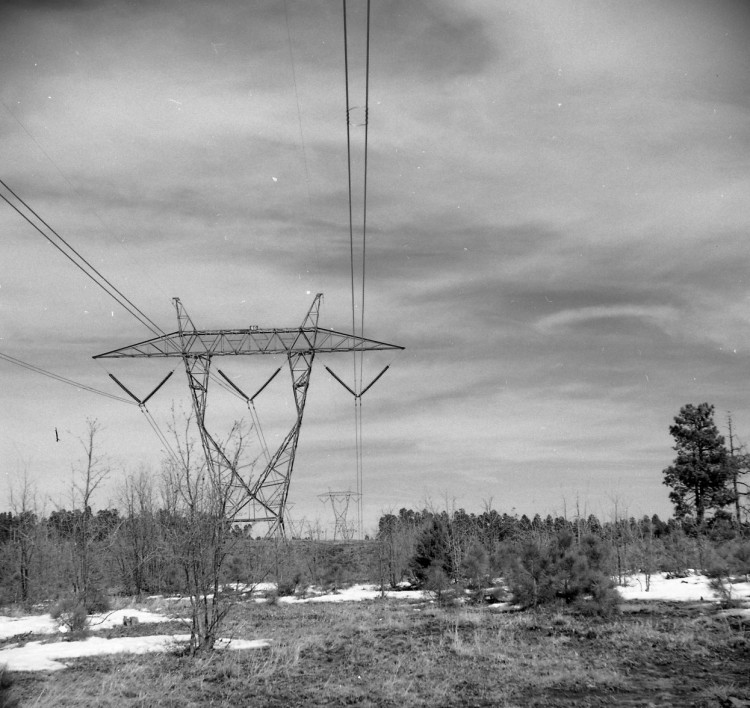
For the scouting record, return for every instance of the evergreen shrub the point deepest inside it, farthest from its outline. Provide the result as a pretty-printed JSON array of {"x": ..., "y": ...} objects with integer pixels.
[{"x": 558, "y": 571}]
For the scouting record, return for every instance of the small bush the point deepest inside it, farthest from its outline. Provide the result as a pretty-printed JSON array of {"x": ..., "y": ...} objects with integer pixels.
[
  {"x": 432, "y": 550},
  {"x": 723, "y": 589},
  {"x": 736, "y": 557},
  {"x": 71, "y": 615},
  {"x": 437, "y": 582},
  {"x": 559, "y": 572},
  {"x": 288, "y": 587},
  {"x": 475, "y": 569}
]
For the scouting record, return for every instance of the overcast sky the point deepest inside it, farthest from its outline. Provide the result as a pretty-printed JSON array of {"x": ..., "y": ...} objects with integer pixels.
[{"x": 557, "y": 232}]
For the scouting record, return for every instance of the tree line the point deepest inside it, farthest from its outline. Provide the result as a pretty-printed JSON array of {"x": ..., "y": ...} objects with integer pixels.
[{"x": 174, "y": 533}]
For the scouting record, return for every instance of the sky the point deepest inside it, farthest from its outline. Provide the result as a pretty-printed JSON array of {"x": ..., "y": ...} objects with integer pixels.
[{"x": 556, "y": 232}]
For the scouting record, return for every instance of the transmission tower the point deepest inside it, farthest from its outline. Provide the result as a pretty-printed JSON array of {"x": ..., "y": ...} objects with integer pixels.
[
  {"x": 262, "y": 499},
  {"x": 340, "y": 504}
]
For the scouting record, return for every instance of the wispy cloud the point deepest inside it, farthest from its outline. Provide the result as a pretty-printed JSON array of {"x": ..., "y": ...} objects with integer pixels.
[
  {"x": 659, "y": 316},
  {"x": 557, "y": 220}
]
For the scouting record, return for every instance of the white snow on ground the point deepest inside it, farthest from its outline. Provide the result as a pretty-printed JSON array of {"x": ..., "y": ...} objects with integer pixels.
[
  {"x": 36, "y": 624},
  {"x": 44, "y": 624},
  {"x": 357, "y": 593},
  {"x": 694, "y": 588},
  {"x": 39, "y": 656},
  {"x": 36, "y": 656}
]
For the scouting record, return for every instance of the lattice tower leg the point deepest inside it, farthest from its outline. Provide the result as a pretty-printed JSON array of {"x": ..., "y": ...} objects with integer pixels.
[
  {"x": 197, "y": 369},
  {"x": 269, "y": 495}
]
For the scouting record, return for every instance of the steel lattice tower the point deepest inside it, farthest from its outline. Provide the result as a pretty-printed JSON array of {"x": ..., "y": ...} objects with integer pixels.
[
  {"x": 264, "y": 498},
  {"x": 340, "y": 505}
]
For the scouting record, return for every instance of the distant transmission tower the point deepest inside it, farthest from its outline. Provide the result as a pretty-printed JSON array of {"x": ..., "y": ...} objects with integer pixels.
[
  {"x": 340, "y": 505},
  {"x": 264, "y": 498}
]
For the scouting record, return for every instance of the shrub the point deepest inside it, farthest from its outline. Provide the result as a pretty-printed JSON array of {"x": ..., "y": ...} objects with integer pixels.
[
  {"x": 738, "y": 557},
  {"x": 559, "y": 572},
  {"x": 71, "y": 615},
  {"x": 476, "y": 567},
  {"x": 723, "y": 589},
  {"x": 288, "y": 587},
  {"x": 437, "y": 582},
  {"x": 432, "y": 551},
  {"x": 679, "y": 555}
]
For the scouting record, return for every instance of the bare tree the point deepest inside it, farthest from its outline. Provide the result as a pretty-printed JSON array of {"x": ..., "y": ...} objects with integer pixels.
[
  {"x": 136, "y": 545},
  {"x": 24, "y": 529},
  {"x": 739, "y": 465},
  {"x": 89, "y": 476},
  {"x": 200, "y": 508}
]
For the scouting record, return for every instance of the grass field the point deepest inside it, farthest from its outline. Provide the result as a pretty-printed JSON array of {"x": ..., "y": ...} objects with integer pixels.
[{"x": 411, "y": 653}]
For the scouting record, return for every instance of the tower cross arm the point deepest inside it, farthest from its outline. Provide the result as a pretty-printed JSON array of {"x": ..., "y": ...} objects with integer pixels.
[{"x": 254, "y": 340}]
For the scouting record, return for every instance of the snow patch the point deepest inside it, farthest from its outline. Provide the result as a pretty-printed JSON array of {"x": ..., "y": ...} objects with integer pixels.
[
  {"x": 38, "y": 656},
  {"x": 693, "y": 588},
  {"x": 357, "y": 593},
  {"x": 44, "y": 624}
]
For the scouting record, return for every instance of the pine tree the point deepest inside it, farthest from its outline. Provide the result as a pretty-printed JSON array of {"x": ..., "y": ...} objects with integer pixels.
[
  {"x": 699, "y": 476},
  {"x": 432, "y": 551}
]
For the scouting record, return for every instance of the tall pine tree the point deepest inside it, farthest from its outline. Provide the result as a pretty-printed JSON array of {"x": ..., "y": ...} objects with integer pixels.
[{"x": 699, "y": 476}]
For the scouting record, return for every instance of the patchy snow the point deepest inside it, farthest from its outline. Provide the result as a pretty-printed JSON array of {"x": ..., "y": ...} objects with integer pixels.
[
  {"x": 38, "y": 656},
  {"x": 356, "y": 593},
  {"x": 250, "y": 587},
  {"x": 32, "y": 624},
  {"x": 44, "y": 624},
  {"x": 50, "y": 656},
  {"x": 693, "y": 588}
]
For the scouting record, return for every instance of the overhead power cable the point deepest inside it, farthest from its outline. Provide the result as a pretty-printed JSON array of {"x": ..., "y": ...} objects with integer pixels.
[
  {"x": 85, "y": 266},
  {"x": 358, "y": 358},
  {"x": 62, "y": 379},
  {"x": 82, "y": 263},
  {"x": 303, "y": 147}
]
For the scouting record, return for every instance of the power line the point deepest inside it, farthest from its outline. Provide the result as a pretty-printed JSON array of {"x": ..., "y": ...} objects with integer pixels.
[
  {"x": 349, "y": 174},
  {"x": 357, "y": 362},
  {"x": 303, "y": 147},
  {"x": 296, "y": 96},
  {"x": 364, "y": 185},
  {"x": 97, "y": 277},
  {"x": 100, "y": 280},
  {"x": 61, "y": 379}
]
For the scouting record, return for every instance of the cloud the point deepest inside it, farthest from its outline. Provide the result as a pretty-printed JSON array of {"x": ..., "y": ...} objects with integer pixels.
[
  {"x": 660, "y": 316},
  {"x": 557, "y": 222},
  {"x": 454, "y": 40}
]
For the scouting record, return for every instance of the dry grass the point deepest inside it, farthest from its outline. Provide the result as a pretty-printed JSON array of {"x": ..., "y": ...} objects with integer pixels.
[{"x": 391, "y": 653}]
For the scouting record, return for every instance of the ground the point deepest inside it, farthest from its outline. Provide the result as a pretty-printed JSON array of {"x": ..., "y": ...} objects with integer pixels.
[{"x": 412, "y": 652}]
